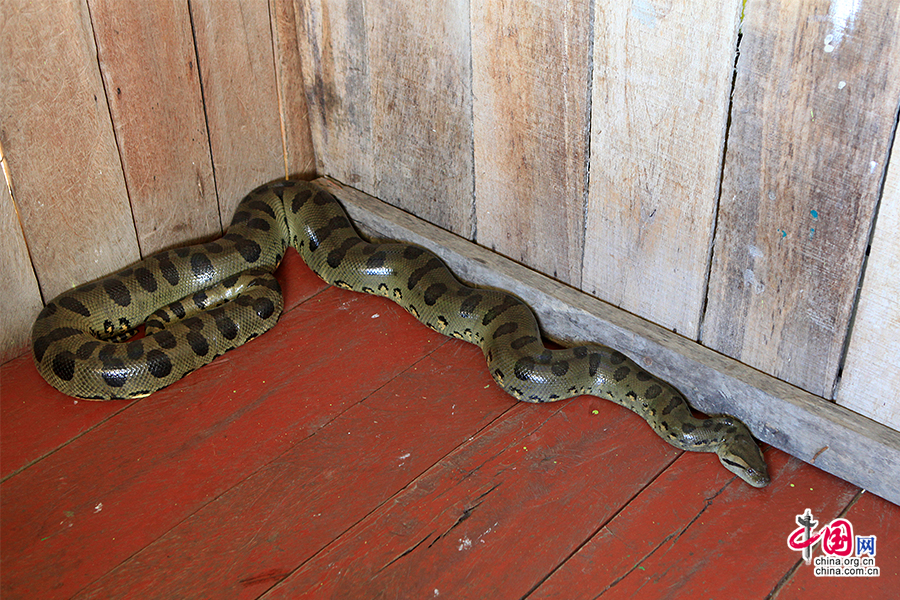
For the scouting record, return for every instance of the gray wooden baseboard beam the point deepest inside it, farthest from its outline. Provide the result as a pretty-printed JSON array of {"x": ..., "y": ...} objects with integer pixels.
[{"x": 811, "y": 428}]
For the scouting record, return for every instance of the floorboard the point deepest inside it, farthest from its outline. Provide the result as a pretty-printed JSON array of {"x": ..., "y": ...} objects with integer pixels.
[{"x": 352, "y": 453}]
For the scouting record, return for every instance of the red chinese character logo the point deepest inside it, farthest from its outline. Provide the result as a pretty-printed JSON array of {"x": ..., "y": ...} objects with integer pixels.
[{"x": 837, "y": 538}]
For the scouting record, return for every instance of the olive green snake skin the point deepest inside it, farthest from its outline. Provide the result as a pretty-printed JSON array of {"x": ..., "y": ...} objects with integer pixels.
[{"x": 198, "y": 302}]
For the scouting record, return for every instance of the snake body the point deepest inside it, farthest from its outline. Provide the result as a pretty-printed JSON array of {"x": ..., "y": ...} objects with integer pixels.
[{"x": 197, "y": 302}]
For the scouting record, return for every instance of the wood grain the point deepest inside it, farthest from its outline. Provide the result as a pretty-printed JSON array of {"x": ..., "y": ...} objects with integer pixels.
[
  {"x": 333, "y": 43},
  {"x": 20, "y": 301},
  {"x": 319, "y": 488},
  {"x": 531, "y": 89},
  {"x": 492, "y": 517},
  {"x": 299, "y": 153},
  {"x": 832, "y": 438},
  {"x": 237, "y": 65},
  {"x": 871, "y": 378},
  {"x": 159, "y": 462},
  {"x": 652, "y": 548},
  {"x": 56, "y": 132},
  {"x": 815, "y": 104},
  {"x": 662, "y": 77},
  {"x": 421, "y": 78},
  {"x": 146, "y": 55},
  {"x": 389, "y": 90}
]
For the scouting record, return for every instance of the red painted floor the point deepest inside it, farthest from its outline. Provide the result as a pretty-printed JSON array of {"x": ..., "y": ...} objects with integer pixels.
[{"x": 353, "y": 453}]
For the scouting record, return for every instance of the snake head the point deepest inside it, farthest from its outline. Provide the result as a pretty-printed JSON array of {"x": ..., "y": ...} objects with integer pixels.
[{"x": 742, "y": 456}]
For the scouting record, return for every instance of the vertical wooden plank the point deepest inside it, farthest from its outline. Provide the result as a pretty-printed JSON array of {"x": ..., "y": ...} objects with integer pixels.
[
  {"x": 299, "y": 153},
  {"x": 420, "y": 61},
  {"x": 147, "y": 59},
  {"x": 531, "y": 90},
  {"x": 333, "y": 42},
  {"x": 237, "y": 64},
  {"x": 814, "y": 108},
  {"x": 662, "y": 75},
  {"x": 389, "y": 90},
  {"x": 20, "y": 301},
  {"x": 55, "y": 129},
  {"x": 871, "y": 381}
]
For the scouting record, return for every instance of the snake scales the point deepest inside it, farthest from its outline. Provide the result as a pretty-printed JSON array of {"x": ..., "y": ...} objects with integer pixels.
[{"x": 198, "y": 302}]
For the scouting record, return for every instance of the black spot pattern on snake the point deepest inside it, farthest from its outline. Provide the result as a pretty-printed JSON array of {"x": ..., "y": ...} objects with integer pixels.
[
  {"x": 202, "y": 267},
  {"x": 239, "y": 217},
  {"x": 521, "y": 342},
  {"x": 323, "y": 198},
  {"x": 75, "y": 306},
  {"x": 594, "y": 362},
  {"x": 165, "y": 339},
  {"x": 376, "y": 261},
  {"x": 198, "y": 343},
  {"x": 213, "y": 247},
  {"x": 523, "y": 368},
  {"x": 86, "y": 350},
  {"x": 64, "y": 365},
  {"x": 412, "y": 252},
  {"x": 579, "y": 352},
  {"x": 617, "y": 358},
  {"x": 299, "y": 200},
  {"x": 673, "y": 404},
  {"x": 168, "y": 270},
  {"x": 643, "y": 376},
  {"x": 468, "y": 306},
  {"x": 506, "y": 329},
  {"x": 337, "y": 256},
  {"x": 177, "y": 309},
  {"x": 621, "y": 373},
  {"x": 41, "y": 344},
  {"x": 229, "y": 282},
  {"x": 560, "y": 368},
  {"x": 226, "y": 326},
  {"x": 117, "y": 291},
  {"x": 258, "y": 224},
  {"x": 145, "y": 279},
  {"x": 158, "y": 364},
  {"x": 182, "y": 252},
  {"x": 652, "y": 392},
  {"x": 260, "y": 206},
  {"x": 496, "y": 311},
  {"x": 418, "y": 274},
  {"x": 434, "y": 293},
  {"x": 134, "y": 350},
  {"x": 200, "y": 299},
  {"x": 249, "y": 250},
  {"x": 113, "y": 374}
]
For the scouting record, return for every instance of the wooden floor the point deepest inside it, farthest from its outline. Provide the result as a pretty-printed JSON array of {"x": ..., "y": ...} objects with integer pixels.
[{"x": 353, "y": 453}]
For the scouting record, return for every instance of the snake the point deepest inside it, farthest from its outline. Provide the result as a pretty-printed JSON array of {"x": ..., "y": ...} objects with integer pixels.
[{"x": 145, "y": 327}]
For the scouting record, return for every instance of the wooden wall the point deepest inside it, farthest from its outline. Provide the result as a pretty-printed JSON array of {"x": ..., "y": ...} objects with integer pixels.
[{"x": 611, "y": 145}]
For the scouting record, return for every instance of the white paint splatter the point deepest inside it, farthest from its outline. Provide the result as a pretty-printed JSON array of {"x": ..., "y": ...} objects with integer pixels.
[
  {"x": 464, "y": 544},
  {"x": 99, "y": 507},
  {"x": 843, "y": 18},
  {"x": 645, "y": 12}
]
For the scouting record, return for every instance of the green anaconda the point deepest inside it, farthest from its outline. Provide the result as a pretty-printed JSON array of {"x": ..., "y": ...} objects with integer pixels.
[{"x": 197, "y": 302}]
